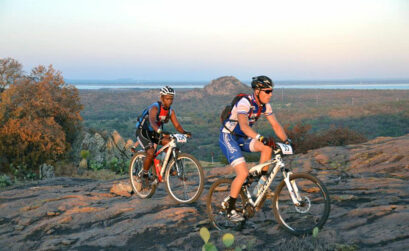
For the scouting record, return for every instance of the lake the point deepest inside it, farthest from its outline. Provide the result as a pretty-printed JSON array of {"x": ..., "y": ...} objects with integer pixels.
[{"x": 292, "y": 85}]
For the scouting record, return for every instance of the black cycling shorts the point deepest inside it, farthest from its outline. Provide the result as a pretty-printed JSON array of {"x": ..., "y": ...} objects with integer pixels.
[{"x": 147, "y": 138}]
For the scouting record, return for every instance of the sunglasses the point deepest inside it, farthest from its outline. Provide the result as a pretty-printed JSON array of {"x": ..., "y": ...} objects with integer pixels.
[{"x": 267, "y": 91}]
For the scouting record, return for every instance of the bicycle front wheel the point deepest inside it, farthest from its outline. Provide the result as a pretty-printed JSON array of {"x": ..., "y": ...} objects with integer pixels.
[
  {"x": 216, "y": 207},
  {"x": 184, "y": 179},
  {"x": 313, "y": 210},
  {"x": 142, "y": 187}
]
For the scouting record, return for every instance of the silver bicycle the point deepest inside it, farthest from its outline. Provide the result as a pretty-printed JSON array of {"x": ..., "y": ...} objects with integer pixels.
[
  {"x": 181, "y": 172},
  {"x": 300, "y": 201}
]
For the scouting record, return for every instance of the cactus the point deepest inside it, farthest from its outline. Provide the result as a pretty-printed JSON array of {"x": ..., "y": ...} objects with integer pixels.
[
  {"x": 228, "y": 240},
  {"x": 84, "y": 155},
  {"x": 315, "y": 232}
]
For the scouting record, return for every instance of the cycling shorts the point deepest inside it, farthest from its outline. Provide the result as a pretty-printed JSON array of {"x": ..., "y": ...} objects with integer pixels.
[
  {"x": 147, "y": 139},
  {"x": 232, "y": 147}
]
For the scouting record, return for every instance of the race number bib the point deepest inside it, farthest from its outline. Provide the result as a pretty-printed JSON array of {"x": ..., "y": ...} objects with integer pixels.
[
  {"x": 180, "y": 138},
  {"x": 286, "y": 149}
]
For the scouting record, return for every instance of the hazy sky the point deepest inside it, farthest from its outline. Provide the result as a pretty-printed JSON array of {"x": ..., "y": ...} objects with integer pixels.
[{"x": 203, "y": 40}]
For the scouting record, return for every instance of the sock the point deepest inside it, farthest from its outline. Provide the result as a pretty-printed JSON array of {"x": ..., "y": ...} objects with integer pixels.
[{"x": 232, "y": 203}]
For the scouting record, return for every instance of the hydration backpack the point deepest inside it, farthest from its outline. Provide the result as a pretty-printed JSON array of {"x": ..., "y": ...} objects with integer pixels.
[
  {"x": 227, "y": 109},
  {"x": 224, "y": 116}
]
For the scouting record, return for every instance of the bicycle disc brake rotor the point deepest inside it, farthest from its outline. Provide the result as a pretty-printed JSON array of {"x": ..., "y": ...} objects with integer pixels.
[{"x": 305, "y": 206}]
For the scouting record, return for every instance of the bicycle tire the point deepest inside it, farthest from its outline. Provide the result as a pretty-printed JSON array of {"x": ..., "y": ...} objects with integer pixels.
[
  {"x": 217, "y": 215},
  {"x": 186, "y": 185},
  {"x": 300, "y": 220},
  {"x": 141, "y": 189}
]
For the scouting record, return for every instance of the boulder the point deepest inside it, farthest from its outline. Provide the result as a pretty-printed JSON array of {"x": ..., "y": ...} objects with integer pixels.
[{"x": 47, "y": 171}]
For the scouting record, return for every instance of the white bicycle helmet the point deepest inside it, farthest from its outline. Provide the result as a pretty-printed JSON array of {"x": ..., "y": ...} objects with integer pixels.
[{"x": 167, "y": 90}]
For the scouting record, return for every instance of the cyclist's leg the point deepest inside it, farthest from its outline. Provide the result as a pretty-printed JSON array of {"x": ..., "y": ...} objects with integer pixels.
[
  {"x": 241, "y": 174},
  {"x": 252, "y": 145},
  {"x": 145, "y": 140},
  {"x": 232, "y": 151}
]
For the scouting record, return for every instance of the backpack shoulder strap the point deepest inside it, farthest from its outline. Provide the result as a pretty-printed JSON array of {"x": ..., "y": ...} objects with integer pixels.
[{"x": 159, "y": 109}]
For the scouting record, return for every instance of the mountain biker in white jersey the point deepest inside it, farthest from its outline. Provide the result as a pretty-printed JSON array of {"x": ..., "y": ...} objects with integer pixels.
[
  {"x": 151, "y": 126},
  {"x": 236, "y": 135}
]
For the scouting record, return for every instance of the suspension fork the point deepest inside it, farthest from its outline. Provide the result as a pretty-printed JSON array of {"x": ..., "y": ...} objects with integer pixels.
[
  {"x": 175, "y": 154},
  {"x": 292, "y": 188}
]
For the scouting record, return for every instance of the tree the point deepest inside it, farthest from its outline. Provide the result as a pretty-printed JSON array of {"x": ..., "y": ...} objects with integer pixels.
[
  {"x": 10, "y": 72},
  {"x": 39, "y": 116}
]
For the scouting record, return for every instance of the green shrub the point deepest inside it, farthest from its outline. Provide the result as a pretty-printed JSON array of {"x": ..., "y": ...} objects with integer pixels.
[
  {"x": 95, "y": 166},
  {"x": 23, "y": 172},
  {"x": 5, "y": 181},
  {"x": 118, "y": 166}
]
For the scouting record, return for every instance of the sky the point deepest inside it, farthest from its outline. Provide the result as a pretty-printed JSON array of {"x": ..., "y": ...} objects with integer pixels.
[{"x": 182, "y": 40}]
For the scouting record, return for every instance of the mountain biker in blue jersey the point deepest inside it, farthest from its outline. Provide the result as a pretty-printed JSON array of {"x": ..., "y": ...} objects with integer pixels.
[
  {"x": 237, "y": 135},
  {"x": 150, "y": 126}
]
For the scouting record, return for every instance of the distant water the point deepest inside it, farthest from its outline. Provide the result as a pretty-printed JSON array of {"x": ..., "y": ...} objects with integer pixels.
[{"x": 360, "y": 86}]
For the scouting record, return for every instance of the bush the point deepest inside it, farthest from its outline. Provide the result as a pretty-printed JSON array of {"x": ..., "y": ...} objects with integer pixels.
[
  {"x": 5, "y": 181},
  {"x": 22, "y": 172},
  {"x": 118, "y": 166},
  {"x": 39, "y": 118},
  {"x": 95, "y": 165},
  {"x": 334, "y": 136}
]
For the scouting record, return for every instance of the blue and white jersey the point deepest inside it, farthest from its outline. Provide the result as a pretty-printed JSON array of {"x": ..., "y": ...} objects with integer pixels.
[{"x": 248, "y": 108}]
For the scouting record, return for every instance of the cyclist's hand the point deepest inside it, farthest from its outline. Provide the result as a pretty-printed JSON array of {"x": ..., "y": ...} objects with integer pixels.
[
  {"x": 289, "y": 142},
  {"x": 188, "y": 134},
  {"x": 262, "y": 139}
]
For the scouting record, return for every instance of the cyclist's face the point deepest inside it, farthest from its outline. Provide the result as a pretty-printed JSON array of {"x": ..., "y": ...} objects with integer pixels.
[
  {"x": 265, "y": 95},
  {"x": 167, "y": 100}
]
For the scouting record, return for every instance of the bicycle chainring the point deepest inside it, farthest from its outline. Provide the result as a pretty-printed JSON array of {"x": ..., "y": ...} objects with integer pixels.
[{"x": 249, "y": 211}]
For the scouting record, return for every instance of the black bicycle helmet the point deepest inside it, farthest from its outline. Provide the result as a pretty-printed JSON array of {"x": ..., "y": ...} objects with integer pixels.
[{"x": 261, "y": 82}]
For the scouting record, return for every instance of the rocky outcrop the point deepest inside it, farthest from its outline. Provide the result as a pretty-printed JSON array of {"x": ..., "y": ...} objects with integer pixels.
[
  {"x": 102, "y": 148},
  {"x": 368, "y": 184}
]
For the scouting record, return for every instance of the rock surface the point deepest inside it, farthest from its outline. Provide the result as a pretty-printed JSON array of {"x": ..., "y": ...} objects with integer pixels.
[{"x": 368, "y": 184}]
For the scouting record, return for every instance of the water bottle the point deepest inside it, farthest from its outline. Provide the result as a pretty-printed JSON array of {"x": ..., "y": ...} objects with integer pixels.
[
  {"x": 161, "y": 156},
  {"x": 259, "y": 185}
]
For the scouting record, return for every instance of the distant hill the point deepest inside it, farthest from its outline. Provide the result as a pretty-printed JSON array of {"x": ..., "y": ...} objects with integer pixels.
[{"x": 226, "y": 86}]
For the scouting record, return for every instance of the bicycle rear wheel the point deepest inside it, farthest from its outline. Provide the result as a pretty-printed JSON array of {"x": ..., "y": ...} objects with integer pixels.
[
  {"x": 313, "y": 211},
  {"x": 216, "y": 210},
  {"x": 184, "y": 179},
  {"x": 142, "y": 187}
]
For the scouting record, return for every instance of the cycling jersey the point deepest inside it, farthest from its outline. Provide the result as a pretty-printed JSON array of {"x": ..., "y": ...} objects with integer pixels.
[
  {"x": 249, "y": 108},
  {"x": 232, "y": 139},
  {"x": 145, "y": 134},
  {"x": 162, "y": 116}
]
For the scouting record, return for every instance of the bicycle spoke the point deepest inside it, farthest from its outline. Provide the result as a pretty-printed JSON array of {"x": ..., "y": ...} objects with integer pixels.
[
  {"x": 217, "y": 214},
  {"x": 313, "y": 211},
  {"x": 184, "y": 179},
  {"x": 142, "y": 187}
]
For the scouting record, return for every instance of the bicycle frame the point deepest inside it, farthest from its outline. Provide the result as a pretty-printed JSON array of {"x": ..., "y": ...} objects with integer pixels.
[
  {"x": 171, "y": 146},
  {"x": 278, "y": 163}
]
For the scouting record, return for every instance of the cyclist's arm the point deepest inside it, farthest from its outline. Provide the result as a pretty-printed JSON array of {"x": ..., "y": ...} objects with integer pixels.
[
  {"x": 176, "y": 123},
  {"x": 278, "y": 129},
  {"x": 244, "y": 125},
  {"x": 152, "y": 118}
]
